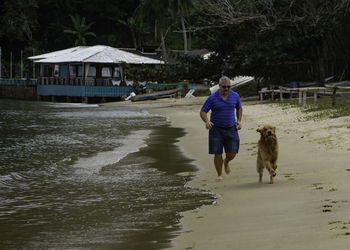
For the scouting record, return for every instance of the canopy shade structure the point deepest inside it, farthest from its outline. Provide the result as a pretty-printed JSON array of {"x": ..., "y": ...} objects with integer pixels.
[{"x": 93, "y": 54}]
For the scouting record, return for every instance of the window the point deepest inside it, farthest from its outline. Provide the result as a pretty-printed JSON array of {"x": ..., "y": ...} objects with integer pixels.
[
  {"x": 117, "y": 73},
  {"x": 106, "y": 72},
  {"x": 92, "y": 71}
]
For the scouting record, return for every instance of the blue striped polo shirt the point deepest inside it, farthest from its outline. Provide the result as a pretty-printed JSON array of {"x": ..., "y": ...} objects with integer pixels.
[{"x": 222, "y": 112}]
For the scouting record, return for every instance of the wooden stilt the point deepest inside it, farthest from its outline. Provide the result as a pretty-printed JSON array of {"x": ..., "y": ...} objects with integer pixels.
[
  {"x": 281, "y": 95},
  {"x": 334, "y": 95},
  {"x": 315, "y": 98},
  {"x": 304, "y": 98}
]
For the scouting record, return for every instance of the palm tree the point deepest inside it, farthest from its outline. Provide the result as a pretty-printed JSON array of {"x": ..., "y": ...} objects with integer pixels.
[
  {"x": 137, "y": 30},
  {"x": 181, "y": 9},
  {"x": 132, "y": 25},
  {"x": 159, "y": 11},
  {"x": 80, "y": 30}
]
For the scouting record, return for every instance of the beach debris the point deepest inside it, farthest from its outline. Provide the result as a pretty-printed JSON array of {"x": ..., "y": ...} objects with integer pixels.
[
  {"x": 190, "y": 94},
  {"x": 157, "y": 95},
  {"x": 132, "y": 94}
]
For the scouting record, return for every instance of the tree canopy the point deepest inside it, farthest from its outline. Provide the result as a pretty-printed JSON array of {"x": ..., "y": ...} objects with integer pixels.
[{"x": 279, "y": 40}]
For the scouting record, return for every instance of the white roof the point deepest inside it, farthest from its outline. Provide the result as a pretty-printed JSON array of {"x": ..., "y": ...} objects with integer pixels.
[{"x": 93, "y": 54}]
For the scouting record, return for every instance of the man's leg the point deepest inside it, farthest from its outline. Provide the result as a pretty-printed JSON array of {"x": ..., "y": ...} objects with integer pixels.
[
  {"x": 218, "y": 161},
  {"x": 229, "y": 157}
]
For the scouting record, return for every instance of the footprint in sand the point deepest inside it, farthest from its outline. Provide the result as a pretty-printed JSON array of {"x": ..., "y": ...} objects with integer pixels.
[
  {"x": 337, "y": 225},
  {"x": 289, "y": 176},
  {"x": 340, "y": 226},
  {"x": 317, "y": 186}
]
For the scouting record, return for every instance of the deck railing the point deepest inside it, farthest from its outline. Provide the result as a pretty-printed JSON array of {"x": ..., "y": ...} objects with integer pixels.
[
  {"x": 24, "y": 82},
  {"x": 89, "y": 81},
  {"x": 302, "y": 93}
]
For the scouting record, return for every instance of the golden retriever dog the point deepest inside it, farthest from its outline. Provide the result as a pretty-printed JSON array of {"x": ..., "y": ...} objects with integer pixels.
[{"x": 267, "y": 152}]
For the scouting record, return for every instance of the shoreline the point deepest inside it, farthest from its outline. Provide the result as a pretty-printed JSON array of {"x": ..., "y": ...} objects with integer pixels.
[{"x": 307, "y": 206}]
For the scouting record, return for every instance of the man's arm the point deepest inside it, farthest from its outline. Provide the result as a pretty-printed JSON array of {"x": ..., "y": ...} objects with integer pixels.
[
  {"x": 239, "y": 114},
  {"x": 204, "y": 116}
]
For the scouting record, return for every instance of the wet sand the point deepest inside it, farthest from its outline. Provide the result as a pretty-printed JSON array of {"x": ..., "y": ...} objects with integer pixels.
[{"x": 306, "y": 208}]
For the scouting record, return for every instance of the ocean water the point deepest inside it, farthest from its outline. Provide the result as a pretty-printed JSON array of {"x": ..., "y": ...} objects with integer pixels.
[{"x": 75, "y": 176}]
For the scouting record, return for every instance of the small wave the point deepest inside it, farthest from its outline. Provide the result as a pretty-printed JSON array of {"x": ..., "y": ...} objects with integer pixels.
[
  {"x": 6, "y": 180},
  {"x": 73, "y": 105},
  {"x": 132, "y": 143},
  {"x": 105, "y": 114}
]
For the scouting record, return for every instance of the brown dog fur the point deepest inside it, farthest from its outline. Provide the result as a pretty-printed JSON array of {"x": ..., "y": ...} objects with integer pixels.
[{"x": 267, "y": 152}]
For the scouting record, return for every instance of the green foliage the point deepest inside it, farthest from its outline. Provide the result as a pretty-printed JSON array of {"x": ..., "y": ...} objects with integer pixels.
[
  {"x": 80, "y": 30},
  {"x": 278, "y": 41},
  {"x": 18, "y": 20},
  {"x": 282, "y": 40}
]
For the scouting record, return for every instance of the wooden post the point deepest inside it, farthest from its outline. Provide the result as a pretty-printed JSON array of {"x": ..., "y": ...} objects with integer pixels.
[
  {"x": 304, "y": 98},
  {"x": 315, "y": 98},
  {"x": 281, "y": 95},
  {"x": 261, "y": 96},
  {"x": 33, "y": 64},
  {"x": 334, "y": 95},
  {"x": 21, "y": 64},
  {"x": 300, "y": 97},
  {"x": 11, "y": 65},
  {"x": 84, "y": 74},
  {"x": 0, "y": 62},
  {"x": 68, "y": 80},
  {"x": 272, "y": 94},
  {"x": 290, "y": 95}
]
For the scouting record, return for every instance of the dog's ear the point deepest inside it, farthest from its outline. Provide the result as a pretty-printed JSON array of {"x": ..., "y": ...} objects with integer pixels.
[{"x": 258, "y": 130}]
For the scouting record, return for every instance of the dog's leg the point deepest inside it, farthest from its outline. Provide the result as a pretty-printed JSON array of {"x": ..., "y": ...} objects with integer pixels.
[
  {"x": 260, "y": 170},
  {"x": 260, "y": 176},
  {"x": 271, "y": 171},
  {"x": 274, "y": 167},
  {"x": 259, "y": 166}
]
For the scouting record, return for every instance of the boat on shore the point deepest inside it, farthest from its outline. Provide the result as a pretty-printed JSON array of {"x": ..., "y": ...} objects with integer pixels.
[{"x": 156, "y": 95}]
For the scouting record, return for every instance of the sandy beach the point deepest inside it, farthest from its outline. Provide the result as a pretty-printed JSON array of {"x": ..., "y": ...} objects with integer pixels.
[{"x": 307, "y": 207}]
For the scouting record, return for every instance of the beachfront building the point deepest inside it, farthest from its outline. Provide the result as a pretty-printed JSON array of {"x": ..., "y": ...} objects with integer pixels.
[{"x": 86, "y": 72}]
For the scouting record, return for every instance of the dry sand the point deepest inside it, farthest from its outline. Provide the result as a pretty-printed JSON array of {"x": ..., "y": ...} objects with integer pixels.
[{"x": 308, "y": 207}]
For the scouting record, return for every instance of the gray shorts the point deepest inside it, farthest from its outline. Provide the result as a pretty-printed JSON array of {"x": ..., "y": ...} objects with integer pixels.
[{"x": 223, "y": 138}]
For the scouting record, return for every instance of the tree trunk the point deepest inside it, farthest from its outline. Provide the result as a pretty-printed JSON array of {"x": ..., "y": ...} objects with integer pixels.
[
  {"x": 133, "y": 35},
  {"x": 155, "y": 30},
  {"x": 163, "y": 45},
  {"x": 320, "y": 65},
  {"x": 184, "y": 33}
]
